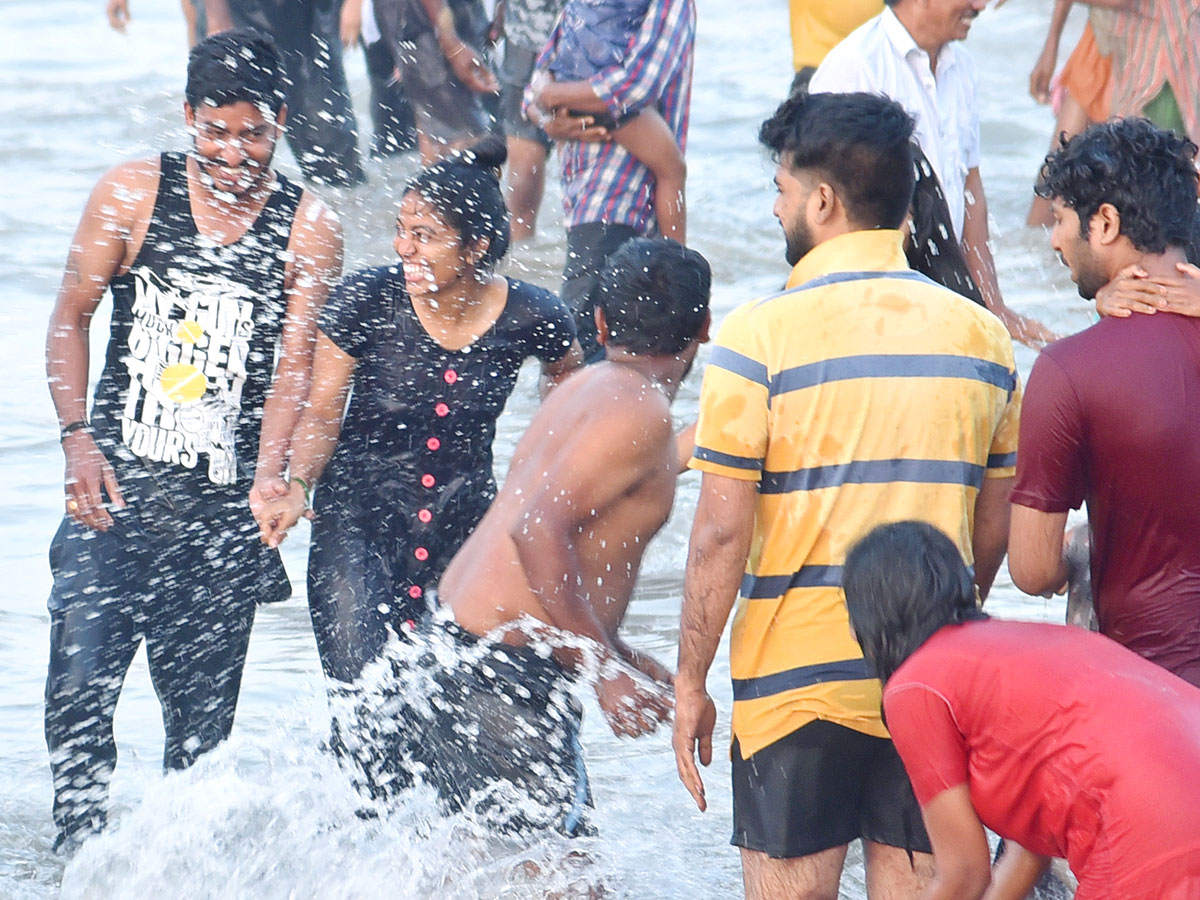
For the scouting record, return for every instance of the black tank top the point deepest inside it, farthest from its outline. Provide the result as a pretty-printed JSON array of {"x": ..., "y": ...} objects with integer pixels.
[{"x": 191, "y": 352}]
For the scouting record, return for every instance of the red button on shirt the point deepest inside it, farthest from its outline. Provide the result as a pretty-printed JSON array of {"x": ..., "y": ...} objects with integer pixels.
[
  {"x": 428, "y": 480},
  {"x": 442, "y": 409},
  {"x": 414, "y": 592},
  {"x": 433, "y": 443},
  {"x": 425, "y": 516},
  {"x": 421, "y": 553},
  {"x": 450, "y": 375}
]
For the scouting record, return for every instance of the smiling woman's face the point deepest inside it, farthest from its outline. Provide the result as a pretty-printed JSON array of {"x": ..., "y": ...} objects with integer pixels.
[{"x": 430, "y": 249}]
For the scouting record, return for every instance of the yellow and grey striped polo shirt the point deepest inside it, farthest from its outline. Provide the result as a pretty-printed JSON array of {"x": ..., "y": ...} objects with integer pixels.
[{"x": 862, "y": 394}]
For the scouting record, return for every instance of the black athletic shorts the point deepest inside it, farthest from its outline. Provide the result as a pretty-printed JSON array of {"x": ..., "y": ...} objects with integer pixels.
[{"x": 822, "y": 786}]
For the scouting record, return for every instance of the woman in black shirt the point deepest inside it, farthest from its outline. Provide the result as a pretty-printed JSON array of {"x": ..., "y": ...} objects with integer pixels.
[{"x": 432, "y": 346}]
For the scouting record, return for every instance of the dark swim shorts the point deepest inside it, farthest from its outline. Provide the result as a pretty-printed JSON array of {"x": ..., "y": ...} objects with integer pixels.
[
  {"x": 822, "y": 786},
  {"x": 515, "y": 72},
  {"x": 492, "y": 727}
]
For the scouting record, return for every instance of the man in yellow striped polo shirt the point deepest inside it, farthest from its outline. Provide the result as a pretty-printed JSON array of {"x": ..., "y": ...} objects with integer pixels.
[{"x": 862, "y": 394}]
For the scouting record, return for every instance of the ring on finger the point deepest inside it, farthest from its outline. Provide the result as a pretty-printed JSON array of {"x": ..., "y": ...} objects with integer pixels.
[{"x": 72, "y": 504}]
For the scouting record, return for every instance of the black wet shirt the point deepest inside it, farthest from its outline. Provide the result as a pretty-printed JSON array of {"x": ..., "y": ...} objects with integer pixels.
[
  {"x": 422, "y": 418},
  {"x": 191, "y": 353}
]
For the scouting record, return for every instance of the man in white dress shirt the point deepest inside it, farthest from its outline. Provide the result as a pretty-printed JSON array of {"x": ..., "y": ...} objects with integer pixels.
[{"x": 909, "y": 53}]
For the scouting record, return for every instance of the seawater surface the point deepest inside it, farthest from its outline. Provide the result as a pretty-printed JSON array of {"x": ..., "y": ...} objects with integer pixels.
[{"x": 268, "y": 815}]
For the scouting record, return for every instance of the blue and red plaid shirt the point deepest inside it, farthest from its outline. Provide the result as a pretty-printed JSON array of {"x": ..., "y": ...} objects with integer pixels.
[{"x": 603, "y": 182}]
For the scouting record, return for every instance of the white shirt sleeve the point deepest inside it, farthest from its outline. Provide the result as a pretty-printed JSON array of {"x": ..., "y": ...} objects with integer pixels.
[{"x": 971, "y": 142}]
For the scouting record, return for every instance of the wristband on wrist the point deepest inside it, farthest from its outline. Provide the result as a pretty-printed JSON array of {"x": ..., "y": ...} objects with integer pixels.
[
  {"x": 307, "y": 490},
  {"x": 71, "y": 427}
]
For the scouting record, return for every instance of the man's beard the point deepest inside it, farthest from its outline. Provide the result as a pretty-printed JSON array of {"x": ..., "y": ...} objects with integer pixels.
[
  {"x": 1089, "y": 276},
  {"x": 799, "y": 240},
  {"x": 250, "y": 174}
]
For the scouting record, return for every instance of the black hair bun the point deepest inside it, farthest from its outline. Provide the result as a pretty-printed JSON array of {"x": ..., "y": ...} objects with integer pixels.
[{"x": 489, "y": 152}]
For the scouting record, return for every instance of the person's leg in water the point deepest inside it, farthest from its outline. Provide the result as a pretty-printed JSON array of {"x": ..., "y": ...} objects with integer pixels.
[
  {"x": 1072, "y": 119},
  {"x": 196, "y": 642},
  {"x": 528, "y": 146},
  {"x": 526, "y": 185},
  {"x": 95, "y": 630},
  {"x": 394, "y": 127},
  {"x": 92, "y": 643},
  {"x": 648, "y": 137}
]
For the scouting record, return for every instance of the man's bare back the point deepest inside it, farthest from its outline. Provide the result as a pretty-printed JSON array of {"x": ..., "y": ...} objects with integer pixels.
[
  {"x": 592, "y": 479},
  {"x": 591, "y": 483}
]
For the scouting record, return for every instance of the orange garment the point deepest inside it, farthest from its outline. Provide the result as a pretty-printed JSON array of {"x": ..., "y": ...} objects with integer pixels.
[{"x": 1087, "y": 77}]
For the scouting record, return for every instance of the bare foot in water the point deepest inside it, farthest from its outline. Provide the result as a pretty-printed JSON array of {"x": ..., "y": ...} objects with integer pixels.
[{"x": 576, "y": 890}]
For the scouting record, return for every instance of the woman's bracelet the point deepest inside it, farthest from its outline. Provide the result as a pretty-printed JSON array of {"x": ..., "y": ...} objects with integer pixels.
[
  {"x": 307, "y": 490},
  {"x": 71, "y": 427}
]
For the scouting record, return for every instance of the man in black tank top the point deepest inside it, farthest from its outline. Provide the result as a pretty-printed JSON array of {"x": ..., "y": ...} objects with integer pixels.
[{"x": 217, "y": 267}]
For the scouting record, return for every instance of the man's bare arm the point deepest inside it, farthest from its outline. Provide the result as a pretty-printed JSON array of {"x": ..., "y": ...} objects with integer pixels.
[
  {"x": 604, "y": 460},
  {"x": 576, "y": 95},
  {"x": 313, "y": 441},
  {"x": 463, "y": 59},
  {"x": 316, "y": 250},
  {"x": 218, "y": 15},
  {"x": 99, "y": 248},
  {"x": 616, "y": 451},
  {"x": 717, "y": 552},
  {"x": 990, "y": 539},
  {"x": 1047, "y": 61},
  {"x": 983, "y": 268},
  {"x": 1035, "y": 550}
]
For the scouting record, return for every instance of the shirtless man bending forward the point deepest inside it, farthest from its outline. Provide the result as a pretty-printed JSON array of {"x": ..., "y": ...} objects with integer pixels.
[{"x": 479, "y": 700}]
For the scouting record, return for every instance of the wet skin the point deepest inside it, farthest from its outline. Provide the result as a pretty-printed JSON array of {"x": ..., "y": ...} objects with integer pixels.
[{"x": 591, "y": 482}]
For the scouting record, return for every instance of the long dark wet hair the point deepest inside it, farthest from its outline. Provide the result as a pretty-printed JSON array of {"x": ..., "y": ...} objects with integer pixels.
[
  {"x": 464, "y": 188},
  {"x": 903, "y": 582}
]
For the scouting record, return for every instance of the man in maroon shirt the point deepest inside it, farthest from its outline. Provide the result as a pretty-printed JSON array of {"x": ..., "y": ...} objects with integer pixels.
[{"x": 1112, "y": 415}]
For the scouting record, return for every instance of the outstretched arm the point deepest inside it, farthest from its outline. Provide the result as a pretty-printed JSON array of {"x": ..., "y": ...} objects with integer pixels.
[
  {"x": 1043, "y": 69},
  {"x": 960, "y": 847},
  {"x": 316, "y": 249},
  {"x": 983, "y": 269},
  {"x": 717, "y": 553},
  {"x": 1133, "y": 290},
  {"x": 313, "y": 442}
]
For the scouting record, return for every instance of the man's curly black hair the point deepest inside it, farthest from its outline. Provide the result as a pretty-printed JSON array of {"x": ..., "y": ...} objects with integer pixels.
[{"x": 1148, "y": 174}]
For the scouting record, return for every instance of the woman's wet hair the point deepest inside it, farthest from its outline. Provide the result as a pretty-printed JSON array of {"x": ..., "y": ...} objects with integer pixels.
[
  {"x": 1147, "y": 173},
  {"x": 234, "y": 67},
  {"x": 464, "y": 189},
  {"x": 654, "y": 294},
  {"x": 903, "y": 582},
  {"x": 861, "y": 143}
]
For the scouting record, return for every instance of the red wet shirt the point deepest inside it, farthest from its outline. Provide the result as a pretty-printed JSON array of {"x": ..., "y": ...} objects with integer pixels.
[
  {"x": 1070, "y": 745},
  {"x": 1112, "y": 417}
]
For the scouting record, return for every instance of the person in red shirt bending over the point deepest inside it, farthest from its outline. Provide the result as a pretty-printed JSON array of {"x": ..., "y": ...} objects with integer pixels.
[
  {"x": 1111, "y": 415},
  {"x": 1058, "y": 739}
]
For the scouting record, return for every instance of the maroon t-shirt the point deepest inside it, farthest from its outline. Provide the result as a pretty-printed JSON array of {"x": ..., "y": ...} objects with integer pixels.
[{"x": 1112, "y": 417}]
